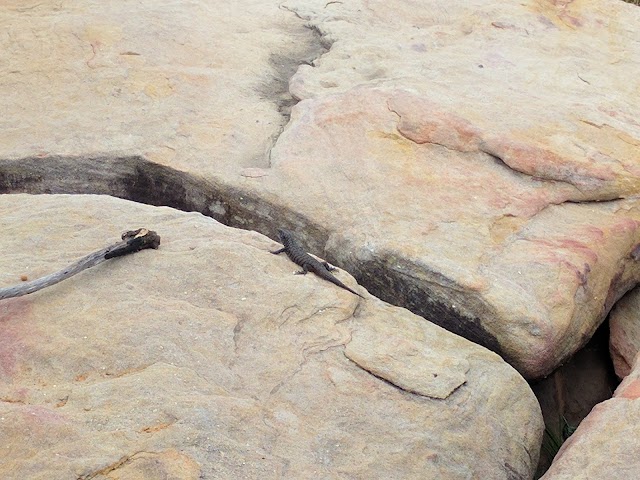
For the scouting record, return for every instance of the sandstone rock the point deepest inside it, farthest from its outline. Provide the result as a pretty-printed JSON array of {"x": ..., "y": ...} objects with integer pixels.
[
  {"x": 606, "y": 444},
  {"x": 207, "y": 358},
  {"x": 512, "y": 80},
  {"x": 624, "y": 341},
  {"x": 187, "y": 85},
  {"x": 504, "y": 265},
  {"x": 475, "y": 162},
  {"x": 569, "y": 394}
]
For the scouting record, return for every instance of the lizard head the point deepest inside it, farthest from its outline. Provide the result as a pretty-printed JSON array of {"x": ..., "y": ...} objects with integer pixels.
[{"x": 283, "y": 234}]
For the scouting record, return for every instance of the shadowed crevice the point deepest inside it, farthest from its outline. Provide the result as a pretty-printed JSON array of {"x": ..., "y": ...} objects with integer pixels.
[
  {"x": 308, "y": 44},
  {"x": 403, "y": 290},
  {"x": 137, "y": 179},
  {"x": 571, "y": 391}
]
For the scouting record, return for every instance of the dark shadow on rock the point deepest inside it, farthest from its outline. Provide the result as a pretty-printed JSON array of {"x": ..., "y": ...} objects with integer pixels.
[
  {"x": 136, "y": 179},
  {"x": 569, "y": 393},
  {"x": 309, "y": 46}
]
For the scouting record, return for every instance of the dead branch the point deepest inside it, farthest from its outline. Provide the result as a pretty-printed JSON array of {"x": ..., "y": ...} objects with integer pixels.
[{"x": 132, "y": 241}]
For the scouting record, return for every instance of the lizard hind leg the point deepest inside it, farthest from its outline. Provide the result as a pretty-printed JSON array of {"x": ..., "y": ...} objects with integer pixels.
[
  {"x": 304, "y": 271},
  {"x": 329, "y": 267}
]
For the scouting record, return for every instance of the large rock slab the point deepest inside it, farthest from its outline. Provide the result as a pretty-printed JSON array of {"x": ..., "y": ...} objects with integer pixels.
[
  {"x": 606, "y": 443},
  {"x": 473, "y": 161},
  {"x": 193, "y": 84},
  {"x": 624, "y": 325},
  {"x": 509, "y": 260},
  {"x": 208, "y": 358},
  {"x": 513, "y": 80}
]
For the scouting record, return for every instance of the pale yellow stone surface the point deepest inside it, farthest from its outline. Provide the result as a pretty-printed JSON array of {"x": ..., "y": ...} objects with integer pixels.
[
  {"x": 474, "y": 161},
  {"x": 209, "y": 357}
]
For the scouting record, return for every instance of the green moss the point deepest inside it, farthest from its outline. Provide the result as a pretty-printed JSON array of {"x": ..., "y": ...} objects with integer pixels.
[{"x": 551, "y": 442}]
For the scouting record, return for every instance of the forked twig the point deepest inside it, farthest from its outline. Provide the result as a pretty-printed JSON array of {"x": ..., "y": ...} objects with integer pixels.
[{"x": 132, "y": 241}]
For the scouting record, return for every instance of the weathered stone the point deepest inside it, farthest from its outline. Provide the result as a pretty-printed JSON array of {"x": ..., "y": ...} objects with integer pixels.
[
  {"x": 568, "y": 395},
  {"x": 513, "y": 271},
  {"x": 624, "y": 324},
  {"x": 188, "y": 85},
  {"x": 208, "y": 358},
  {"x": 519, "y": 136},
  {"x": 408, "y": 365},
  {"x": 606, "y": 444},
  {"x": 513, "y": 80},
  {"x": 473, "y": 161}
]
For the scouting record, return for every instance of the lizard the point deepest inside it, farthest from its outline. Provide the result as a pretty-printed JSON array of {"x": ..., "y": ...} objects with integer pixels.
[{"x": 308, "y": 263}]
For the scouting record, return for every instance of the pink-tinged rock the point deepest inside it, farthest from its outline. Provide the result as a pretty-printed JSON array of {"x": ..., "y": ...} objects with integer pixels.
[
  {"x": 475, "y": 161},
  {"x": 518, "y": 264},
  {"x": 624, "y": 324},
  {"x": 605, "y": 445},
  {"x": 527, "y": 76},
  {"x": 208, "y": 358}
]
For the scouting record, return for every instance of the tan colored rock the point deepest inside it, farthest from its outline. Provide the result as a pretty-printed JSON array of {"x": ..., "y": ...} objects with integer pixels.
[
  {"x": 624, "y": 324},
  {"x": 169, "y": 464},
  {"x": 522, "y": 131},
  {"x": 605, "y": 445},
  {"x": 188, "y": 85},
  {"x": 405, "y": 362},
  {"x": 512, "y": 80},
  {"x": 569, "y": 394},
  {"x": 502, "y": 263},
  {"x": 208, "y": 358},
  {"x": 475, "y": 162}
]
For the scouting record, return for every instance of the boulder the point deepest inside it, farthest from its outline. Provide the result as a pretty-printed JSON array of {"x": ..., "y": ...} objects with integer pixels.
[
  {"x": 624, "y": 325},
  {"x": 606, "y": 444},
  {"x": 208, "y": 358},
  {"x": 475, "y": 162},
  {"x": 510, "y": 261}
]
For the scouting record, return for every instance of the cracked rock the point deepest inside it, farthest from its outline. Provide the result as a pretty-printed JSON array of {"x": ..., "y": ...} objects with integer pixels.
[
  {"x": 605, "y": 445},
  {"x": 475, "y": 162},
  {"x": 208, "y": 358}
]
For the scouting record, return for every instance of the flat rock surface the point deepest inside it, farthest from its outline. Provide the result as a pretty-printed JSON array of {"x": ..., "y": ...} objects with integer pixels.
[
  {"x": 475, "y": 162},
  {"x": 208, "y": 358},
  {"x": 606, "y": 444},
  {"x": 507, "y": 259},
  {"x": 189, "y": 84},
  {"x": 624, "y": 339}
]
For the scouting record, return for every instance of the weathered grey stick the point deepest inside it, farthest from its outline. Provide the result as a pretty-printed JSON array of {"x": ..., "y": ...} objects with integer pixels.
[{"x": 132, "y": 242}]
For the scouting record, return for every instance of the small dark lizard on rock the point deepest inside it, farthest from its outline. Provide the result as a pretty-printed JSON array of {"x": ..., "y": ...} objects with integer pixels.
[{"x": 308, "y": 263}]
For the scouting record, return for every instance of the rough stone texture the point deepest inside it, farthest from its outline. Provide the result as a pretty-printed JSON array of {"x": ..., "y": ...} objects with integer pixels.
[
  {"x": 208, "y": 358},
  {"x": 512, "y": 80},
  {"x": 569, "y": 394},
  {"x": 451, "y": 157},
  {"x": 606, "y": 444},
  {"x": 189, "y": 84},
  {"x": 504, "y": 265},
  {"x": 624, "y": 324}
]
